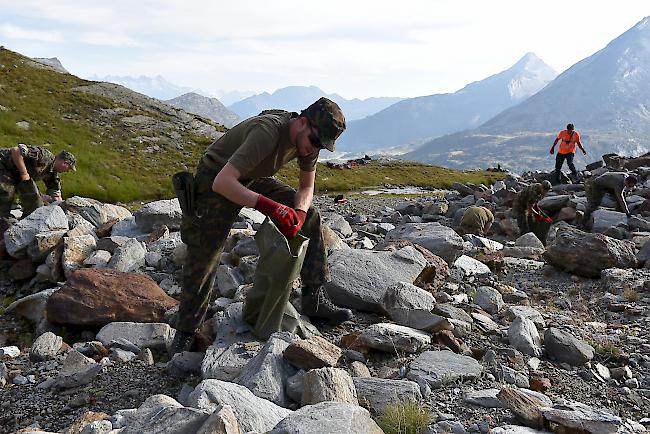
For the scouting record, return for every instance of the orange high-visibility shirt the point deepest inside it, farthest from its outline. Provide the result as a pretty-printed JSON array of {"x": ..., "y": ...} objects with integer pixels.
[{"x": 568, "y": 142}]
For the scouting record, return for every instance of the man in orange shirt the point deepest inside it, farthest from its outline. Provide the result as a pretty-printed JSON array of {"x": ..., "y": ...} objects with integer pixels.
[{"x": 569, "y": 139}]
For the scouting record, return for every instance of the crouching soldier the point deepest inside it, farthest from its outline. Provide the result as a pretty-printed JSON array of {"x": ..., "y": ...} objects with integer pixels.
[
  {"x": 476, "y": 220},
  {"x": 525, "y": 208},
  {"x": 235, "y": 171},
  {"x": 20, "y": 168},
  {"x": 611, "y": 182}
]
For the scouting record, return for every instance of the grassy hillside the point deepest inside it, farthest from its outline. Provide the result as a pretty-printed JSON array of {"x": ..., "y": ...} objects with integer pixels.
[
  {"x": 128, "y": 145},
  {"x": 112, "y": 162},
  {"x": 378, "y": 173}
]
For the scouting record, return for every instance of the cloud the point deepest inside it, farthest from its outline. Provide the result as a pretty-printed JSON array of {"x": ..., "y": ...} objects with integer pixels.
[
  {"x": 11, "y": 31},
  {"x": 110, "y": 39}
]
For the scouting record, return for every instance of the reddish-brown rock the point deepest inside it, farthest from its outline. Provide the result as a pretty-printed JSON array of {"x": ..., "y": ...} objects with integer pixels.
[
  {"x": 312, "y": 353},
  {"x": 98, "y": 296},
  {"x": 105, "y": 229}
]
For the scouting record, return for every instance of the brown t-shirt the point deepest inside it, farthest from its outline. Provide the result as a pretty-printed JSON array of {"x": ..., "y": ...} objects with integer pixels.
[{"x": 258, "y": 147}]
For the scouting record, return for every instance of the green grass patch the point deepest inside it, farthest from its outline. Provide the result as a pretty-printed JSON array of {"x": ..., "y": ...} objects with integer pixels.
[
  {"x": 403, "y": 418},
  {"x": 380, "y": 173}
]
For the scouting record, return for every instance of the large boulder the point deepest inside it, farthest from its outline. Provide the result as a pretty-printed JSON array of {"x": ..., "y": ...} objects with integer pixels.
[
  {"x": 160, "y": 212},
  {"x": 360, "y": 278},
  {"x": 253, "y": 413},
  {"x": 328, "y": 417},
  {"x": 98, "y": 296},
  {"x": 587, "y": 254},
  {"x": 440, "y": 240},
  {"x": 44, "y": 219}
]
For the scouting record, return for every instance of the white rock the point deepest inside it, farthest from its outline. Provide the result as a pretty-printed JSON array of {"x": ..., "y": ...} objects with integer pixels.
[
  {"x": 253, "y": 413},
  {"x": 43, "y": 219},
  {"x": 393, "y": 338},
  {"x": 144, "y": 335}
]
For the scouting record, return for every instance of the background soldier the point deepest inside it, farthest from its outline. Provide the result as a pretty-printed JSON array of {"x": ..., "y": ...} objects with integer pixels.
[
  {"x": 235, "y": 171},
  {"x": 524, "y": 206},
  {"x": 476, "y": 220},
  {"x": 20, "y": 168},
  {"x": 610, "y": 182}
]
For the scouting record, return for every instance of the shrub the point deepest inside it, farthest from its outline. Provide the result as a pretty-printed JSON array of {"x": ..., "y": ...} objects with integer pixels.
[{"x": 403, "y": 418}]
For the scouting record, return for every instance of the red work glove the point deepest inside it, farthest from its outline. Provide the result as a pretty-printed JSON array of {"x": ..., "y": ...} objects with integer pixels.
[
  {"x": 296, "y": 228},
  {"x": 283, "y": 216}
]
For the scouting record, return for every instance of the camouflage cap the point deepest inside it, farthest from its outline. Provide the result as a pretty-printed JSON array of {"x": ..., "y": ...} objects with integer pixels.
[
  {"x": 327, "y": 117},
  {"x": 69, "y": 157}
]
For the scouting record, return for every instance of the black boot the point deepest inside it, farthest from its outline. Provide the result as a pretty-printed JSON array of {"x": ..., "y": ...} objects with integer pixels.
[
  {"x": 182, "y": 342},
  {"x": 317, "y": 304}
]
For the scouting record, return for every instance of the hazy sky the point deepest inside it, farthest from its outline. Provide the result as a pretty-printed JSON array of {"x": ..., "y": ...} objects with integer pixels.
[{"x": 354, "y": 48}]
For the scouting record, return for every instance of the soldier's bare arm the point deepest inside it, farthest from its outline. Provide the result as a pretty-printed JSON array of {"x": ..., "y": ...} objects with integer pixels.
[
  {"x": 305, "y": 192},
  {"x": 227, "y": 184},
  {"x": 18, "y": 160}
]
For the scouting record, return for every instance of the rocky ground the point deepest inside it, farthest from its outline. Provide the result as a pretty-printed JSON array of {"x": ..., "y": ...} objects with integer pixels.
[{"x": 486, "y": 334}]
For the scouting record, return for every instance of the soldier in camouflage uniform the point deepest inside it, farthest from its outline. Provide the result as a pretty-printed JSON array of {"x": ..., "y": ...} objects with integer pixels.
[
  {"x": 523, "y": 207},
  {"x": 477, "y": 220},
  {"x": 236, "y": 171},
  {"x": 20, "y": 168}
]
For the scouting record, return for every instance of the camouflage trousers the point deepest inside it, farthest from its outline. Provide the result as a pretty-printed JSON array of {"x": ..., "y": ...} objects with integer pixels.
[
  {"x": 524, "y": 221},
  {"x": 30, "y": 199},
  {"x": 206, "y": 231},
  {"x": 471, "y": 230},
  {"x": 7, "y": 193}
]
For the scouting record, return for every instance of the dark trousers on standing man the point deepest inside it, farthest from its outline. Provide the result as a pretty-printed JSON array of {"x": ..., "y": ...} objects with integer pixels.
[{"x": 559, "y": 161}]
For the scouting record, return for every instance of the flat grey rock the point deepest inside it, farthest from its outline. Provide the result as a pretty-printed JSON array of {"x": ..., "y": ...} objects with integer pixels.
[
  {"x": 161, "y": 414},
  {"x": 143, "y": 335},
  {"x": 393, "y": 338},
  {"x": 160, "y": 212},
  {"x": 436, "y": 367},
  {"x": 45, "y": 347},
  {"x": 438, "y": 239}
]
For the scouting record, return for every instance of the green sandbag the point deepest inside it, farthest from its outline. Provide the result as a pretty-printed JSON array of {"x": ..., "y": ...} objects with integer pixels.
[{"x": 267, "y": 305}]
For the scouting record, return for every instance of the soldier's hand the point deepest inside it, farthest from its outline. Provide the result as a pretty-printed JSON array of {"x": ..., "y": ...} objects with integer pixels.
[
  {"x": 283, "y": 216},
  {"x": 552, "y": 151},
  {"x": 293, "y": 231}
]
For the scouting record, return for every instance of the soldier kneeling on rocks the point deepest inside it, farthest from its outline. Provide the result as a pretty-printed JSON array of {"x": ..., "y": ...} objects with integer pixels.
[
  {"x": 525, "y": 208},
  {"x": 20, "y": 168},
  {"x": 236, "y": 171}
]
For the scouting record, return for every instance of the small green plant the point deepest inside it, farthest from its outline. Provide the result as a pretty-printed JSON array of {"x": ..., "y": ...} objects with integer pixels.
[
  {"x": 406, "y": 417},
  {"x": 607, "y": 348},
  {"x": 630, "y": 295},
  {"x": 573, "y": 291}
]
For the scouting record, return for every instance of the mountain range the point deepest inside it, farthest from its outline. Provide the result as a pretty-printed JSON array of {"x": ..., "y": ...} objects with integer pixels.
[
  {"x": 211, "y": 108},
  {"x": 418, "y": 119},
  {"x": 296, "y": 98},
  {"x": 160, "y": 88},
  {"x": 606, "y": 96}
]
